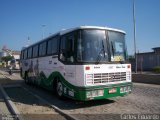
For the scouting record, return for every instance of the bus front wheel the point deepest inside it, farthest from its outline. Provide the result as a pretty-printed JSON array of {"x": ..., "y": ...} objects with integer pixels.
[{"x": 59, "y": 89}]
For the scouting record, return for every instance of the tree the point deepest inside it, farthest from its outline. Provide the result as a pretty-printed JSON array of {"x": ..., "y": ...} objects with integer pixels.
[
  {"x": 7, "y": 58},
  {"x": 131, "y": 58}
]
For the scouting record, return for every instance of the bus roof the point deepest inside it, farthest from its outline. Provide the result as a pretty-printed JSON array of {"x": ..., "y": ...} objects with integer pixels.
[
  {"x": 62, "y": 32},
  {"x": 91, "y": 27}
]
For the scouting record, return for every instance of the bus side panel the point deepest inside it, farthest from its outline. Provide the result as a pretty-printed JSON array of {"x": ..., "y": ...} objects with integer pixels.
[
  {"x": 70, "y": 74},
  {"x": 47, "y": 66},
  {"x": 80, "y": 78}
]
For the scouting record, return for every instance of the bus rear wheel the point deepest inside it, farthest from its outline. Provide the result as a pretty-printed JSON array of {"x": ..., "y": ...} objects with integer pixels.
[{"x": 26, "y": 79}]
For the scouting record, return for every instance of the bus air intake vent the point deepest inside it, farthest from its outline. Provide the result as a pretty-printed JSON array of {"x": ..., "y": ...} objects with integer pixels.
[{"x": 100, "y": 78}]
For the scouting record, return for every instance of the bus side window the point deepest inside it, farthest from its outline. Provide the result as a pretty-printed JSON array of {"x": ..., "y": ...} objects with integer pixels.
[
  {"x": 70, "y": 49},
  {"x": 67, "y": 48},
  {"x": 25, "y": 54},
  {"x": 35, "y": 51},
  {"x": 42, "y": 49},
  {"x": 22, "y": 55},
  {"x": 62, "y": 49},
  {"x": 52, "y": 46}
]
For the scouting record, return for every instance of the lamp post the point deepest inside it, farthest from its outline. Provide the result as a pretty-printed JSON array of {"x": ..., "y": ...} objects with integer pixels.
[
  {"x": 28, "y": 42},
  {"x": 43, "y": 30},
  {"x": 135, "y": 47}
]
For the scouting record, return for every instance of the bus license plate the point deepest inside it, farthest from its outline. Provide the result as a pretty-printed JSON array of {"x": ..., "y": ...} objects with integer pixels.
[{"x": 113, "y": 90}]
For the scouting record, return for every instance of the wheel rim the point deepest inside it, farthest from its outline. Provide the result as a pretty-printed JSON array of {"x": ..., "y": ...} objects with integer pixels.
[{"x": 59, "y": 89}]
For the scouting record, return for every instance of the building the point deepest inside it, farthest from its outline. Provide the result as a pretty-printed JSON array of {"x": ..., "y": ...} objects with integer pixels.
[
  {"x": 149, "y": 60},
  {"x": 2, "y": 54},
  {"x": 16, "y": 54}
]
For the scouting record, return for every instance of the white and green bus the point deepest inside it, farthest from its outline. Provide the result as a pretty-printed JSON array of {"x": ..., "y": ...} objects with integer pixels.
[{"x": 82, "y": 63}]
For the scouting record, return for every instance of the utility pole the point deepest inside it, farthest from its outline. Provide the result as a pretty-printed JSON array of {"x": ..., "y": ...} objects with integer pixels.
[{"x": 135, "y": 47}]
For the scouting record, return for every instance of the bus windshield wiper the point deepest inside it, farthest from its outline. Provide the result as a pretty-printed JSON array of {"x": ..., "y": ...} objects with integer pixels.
[
  {"x": 103, "y": 50},
  {"x": 112, "y": 48},
  {"x": 100, "y": 55}
]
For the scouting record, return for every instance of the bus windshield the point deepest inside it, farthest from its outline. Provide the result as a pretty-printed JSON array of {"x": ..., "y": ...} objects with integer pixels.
[
  {"x": 117, "y": 46},
  {"x": 92, "y": 46},
  {"x": 95, "y": 46}
]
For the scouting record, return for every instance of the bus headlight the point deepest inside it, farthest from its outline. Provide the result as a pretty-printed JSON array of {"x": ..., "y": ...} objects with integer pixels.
[
  {"x": 128, "y": 76},
  {"x": 100, "y": 92},
  {"x": 125, "y": 89},
  {"x": 94, "y": 93},
  {"x": 88, "y": 94},
  {"x": 89, "y": 76},
  {"x": 129, "y": 89}
]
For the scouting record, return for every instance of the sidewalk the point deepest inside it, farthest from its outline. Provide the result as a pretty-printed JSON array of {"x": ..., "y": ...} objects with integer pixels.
[
  {"x": 14, "y": 76},
  {"x": 147, "y": 78},
  {"x": 3, "y": 108},
  {"x": 5, "y": 78},
  {"x": 146, "y": 73}
]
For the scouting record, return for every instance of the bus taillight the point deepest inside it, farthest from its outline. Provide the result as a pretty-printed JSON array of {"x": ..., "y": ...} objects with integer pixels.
[{"x": 129, "y": 66}]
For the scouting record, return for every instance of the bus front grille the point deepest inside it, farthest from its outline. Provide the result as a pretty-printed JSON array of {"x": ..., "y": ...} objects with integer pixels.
[{"x": 98, "y": 78}]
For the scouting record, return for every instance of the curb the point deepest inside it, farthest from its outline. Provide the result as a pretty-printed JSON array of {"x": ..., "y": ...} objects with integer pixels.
[
  {"x": 10, "y": 105},
  {"x": 67, "y": 116},
  {"x": 16, "y": 112}
]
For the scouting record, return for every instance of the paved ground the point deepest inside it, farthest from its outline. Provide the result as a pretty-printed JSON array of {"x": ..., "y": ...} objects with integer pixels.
[
  {"x": 145, "y": 99},
  {"x": 3, "y": 107},
  {"x": 148, "y": 78},
  {"x": 30, "y": 107},
  {"x": 4, "y": 111}
]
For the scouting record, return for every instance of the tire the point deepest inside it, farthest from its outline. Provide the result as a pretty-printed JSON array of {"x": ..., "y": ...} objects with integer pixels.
[
  {"x": 59, "y": 89},
  {"x": 26, "y": 79},
  {"x": 21, "y": 73}
]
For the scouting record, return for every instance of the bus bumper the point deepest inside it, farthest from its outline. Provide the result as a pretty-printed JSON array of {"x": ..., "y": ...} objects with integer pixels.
[{"x": 102, "y": 92}]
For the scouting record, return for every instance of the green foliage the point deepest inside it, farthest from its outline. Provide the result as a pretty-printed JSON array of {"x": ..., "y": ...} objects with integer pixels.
[
  {"x": 131, "y": 58},
  {"x": 0, "y": 64},
  {"x": 7, "y": 58},
  {"x": 156, "y": 69}
]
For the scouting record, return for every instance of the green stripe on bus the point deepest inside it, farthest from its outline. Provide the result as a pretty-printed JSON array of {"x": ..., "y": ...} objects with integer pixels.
[{"x": 80, "y": 91}]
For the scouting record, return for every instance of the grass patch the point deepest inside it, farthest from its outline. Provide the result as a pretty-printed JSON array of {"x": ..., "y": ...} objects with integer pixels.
[{"x": 156, "y": 69}]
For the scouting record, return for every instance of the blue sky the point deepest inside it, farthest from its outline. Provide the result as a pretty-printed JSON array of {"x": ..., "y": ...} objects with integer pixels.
[{"x": 22, "y": 18}]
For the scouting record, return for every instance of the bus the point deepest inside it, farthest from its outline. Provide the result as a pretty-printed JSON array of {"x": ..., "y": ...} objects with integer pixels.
[{"x": 83, "y": 63}]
